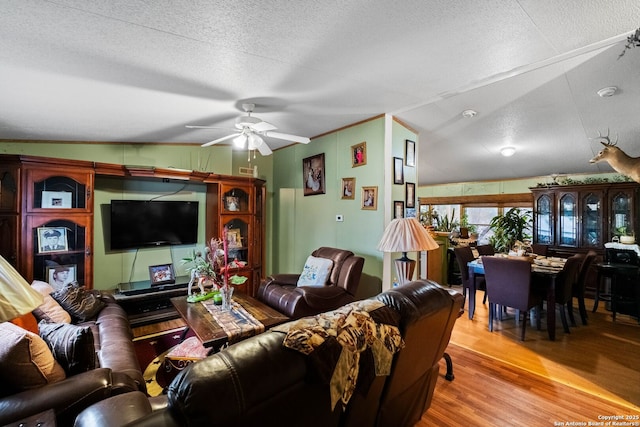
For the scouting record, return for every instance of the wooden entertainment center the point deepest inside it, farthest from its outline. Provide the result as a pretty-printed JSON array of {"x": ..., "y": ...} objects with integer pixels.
[{"x": 47, "y": 196}]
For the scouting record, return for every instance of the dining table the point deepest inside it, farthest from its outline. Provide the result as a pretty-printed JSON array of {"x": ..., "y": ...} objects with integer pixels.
[{"x": 546, "y": 270}]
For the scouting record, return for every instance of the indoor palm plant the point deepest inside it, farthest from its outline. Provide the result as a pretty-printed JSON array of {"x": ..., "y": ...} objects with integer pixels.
[{"x": 512, "y": 226}]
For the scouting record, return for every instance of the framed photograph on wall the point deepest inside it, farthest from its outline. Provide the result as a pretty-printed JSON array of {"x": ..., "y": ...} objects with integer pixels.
[
  {"x": 60, "y": 276},
  {"x": 161, "y": 274},
  {"x": 348, "y": 188},
  {"x": 410, "y": 197},
  {"x": 359, "y": 154},
  {"x": 398, "y": 209},
  {"x": 398, "y": 171},
  {"x": 370, "y": 198},
  {"x": 52, "y": 239},
  {"x": 313, "y": 175},
  {"x": 410, "y": 153}
]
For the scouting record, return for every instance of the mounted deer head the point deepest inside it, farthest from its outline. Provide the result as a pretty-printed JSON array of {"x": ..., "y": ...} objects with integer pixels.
[{"x": 617, "y": 159}]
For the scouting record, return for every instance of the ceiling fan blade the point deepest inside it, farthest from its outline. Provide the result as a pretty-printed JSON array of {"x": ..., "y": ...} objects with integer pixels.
[
  {"x": 264, "y": 149},
  {"x": 215, "y": 141},
  {"x": 288, "y": 137},
  {"x": 263, "y": 127}
]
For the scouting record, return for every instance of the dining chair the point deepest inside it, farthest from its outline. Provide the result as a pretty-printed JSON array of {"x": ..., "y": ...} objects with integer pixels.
[
  {"x": 508, "y": 284},
  {"x": 464, "y": 255},
  {"x": 485, "y": 250},
  {"x": 579, "y": 288},
  {"x": 564, "y": 287}
]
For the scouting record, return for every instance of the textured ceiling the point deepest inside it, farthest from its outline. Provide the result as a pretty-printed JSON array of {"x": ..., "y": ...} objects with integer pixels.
[{"x": 141, "y": 70}]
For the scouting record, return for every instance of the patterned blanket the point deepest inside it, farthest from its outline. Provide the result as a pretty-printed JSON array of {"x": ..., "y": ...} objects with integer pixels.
[
  {"x": 347, "y": 344},
  {"x": 238, "y": 323}
]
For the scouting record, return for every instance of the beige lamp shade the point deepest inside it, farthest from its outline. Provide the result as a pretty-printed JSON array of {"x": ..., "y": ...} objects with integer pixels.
[
  {"x": 17, "y": 297},
  {"x": 406, "y": 235}
]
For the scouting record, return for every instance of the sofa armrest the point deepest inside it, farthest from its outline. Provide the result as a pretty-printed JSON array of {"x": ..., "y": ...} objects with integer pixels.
[
  {"x": 283, "y": 279},
  {"x": 67, "y": 398}
]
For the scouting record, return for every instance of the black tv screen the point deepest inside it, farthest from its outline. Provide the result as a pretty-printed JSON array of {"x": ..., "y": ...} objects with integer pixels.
[{"x": 139, "y": 223}]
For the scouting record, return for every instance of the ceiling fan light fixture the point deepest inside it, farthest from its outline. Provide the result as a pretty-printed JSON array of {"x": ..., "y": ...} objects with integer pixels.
[
  {"x": 254, "y": 141},
  {"x": 606, "y": 92},
  {"x": 240, "y": 140},
  {"x": 508, "y": 151}
]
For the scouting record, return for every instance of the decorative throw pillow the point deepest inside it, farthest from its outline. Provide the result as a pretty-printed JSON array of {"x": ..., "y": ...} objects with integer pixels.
[
  {"x": 25, "y": 360},
  {"x": 50, "y": 310},
  {"x": 71, "y": 345},
  {"x": 315, "y": 271},
  {"x": 80, "y": 304}
]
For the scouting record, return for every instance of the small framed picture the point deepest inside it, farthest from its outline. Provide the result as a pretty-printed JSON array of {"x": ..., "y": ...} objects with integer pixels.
[
  {"x": 410, "y": 213},
  {"x": 348, "y": 188},
  {"x": 359, "y": 154},
  {"x": 370, "y": 198},
  {"x": 60, "y": 276},
  {"x": 410, "y": 197},
  {"x": 52, "y": 239},
  {"x": 398, "y": 209},
  {"x": 232, "y": 203},
  {"x": 313, "y": 175},
  {"x": 161, "y": 274},
  {"x": 398, "y": 171},
  {"x": 56, "y": 199},
  {"x": 410, "y": 153},
  {"x": 234, "y": 238}
]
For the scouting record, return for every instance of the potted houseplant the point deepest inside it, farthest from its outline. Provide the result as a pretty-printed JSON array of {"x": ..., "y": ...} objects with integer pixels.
[{"x": 512, "y": 226}]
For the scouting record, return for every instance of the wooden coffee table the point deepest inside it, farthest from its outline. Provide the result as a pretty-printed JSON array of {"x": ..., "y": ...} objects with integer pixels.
[{"x": 202, "y": 323}]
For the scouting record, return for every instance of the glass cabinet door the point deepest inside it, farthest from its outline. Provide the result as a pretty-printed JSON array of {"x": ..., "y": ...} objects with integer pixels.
[
  {"x": 52, "y": 190},
  {"x": 621, "y": 220},
  {"x": 237, "y": 239},
  {"x": 567, "y": 220},
  {"x": 235, "y": 199},
  {"x": 592, "y": 220},
  {"x": 543, "y": 232}
]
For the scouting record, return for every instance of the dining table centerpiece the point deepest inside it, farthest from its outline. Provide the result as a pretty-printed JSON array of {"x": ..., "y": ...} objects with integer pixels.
[{"x": 211, "y": 270}]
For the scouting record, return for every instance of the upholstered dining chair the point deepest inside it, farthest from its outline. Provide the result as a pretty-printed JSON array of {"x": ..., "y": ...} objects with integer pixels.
[
  {"x": 564, "y": 287},
  {"x": 464, "y": 255},
  {"x": 508, "y": 284},
  {"x": 579, "y": 288},
  {"x": 485, "y": 250}
]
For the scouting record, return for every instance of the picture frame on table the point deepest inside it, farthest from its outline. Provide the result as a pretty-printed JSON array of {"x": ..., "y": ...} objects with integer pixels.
[
  {"x": 348, "y": 189},
  {"x": 313, "y": 175},
  {"x": 359, "y": 154},
  {"x": 161, "y": 274},
  {"x": 398, "y": 171},
  {"x": 370, "y": 198},
  {"x": 410, "y": 153},
  {"x": 52, "y": 239},
  {"x": 410, "y": 195},
  {"x": 60, "y": 276},
  {"x": 398, "y": 209}
]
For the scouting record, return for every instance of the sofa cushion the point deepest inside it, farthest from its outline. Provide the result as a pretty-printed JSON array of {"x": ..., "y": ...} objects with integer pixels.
[
  {"x": 80, "y": 304},
  {"x": 72, "y": 346},
  {"x": 25, "y": 360},
  {"x": 315, "y": 272},
  {"x": 50, "y": 310}
]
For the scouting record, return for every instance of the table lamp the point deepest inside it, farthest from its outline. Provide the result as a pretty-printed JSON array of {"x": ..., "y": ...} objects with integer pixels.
[
  {"x": 17, "y": 297},
  {"x": 406, "y": 235}
]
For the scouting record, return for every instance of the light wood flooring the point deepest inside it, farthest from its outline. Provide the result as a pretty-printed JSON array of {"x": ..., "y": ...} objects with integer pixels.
[{"x": 593, "y": 371}]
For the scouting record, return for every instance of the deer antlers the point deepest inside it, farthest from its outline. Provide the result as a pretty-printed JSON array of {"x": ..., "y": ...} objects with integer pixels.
[{"x": 605, "y": 140}]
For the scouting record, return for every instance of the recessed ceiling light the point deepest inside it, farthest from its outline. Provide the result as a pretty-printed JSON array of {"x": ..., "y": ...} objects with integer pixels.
[
  {"x": 508, "y": 151},
  {"x": 606, "y": 92},
  {"x": 467, "y": 114}
]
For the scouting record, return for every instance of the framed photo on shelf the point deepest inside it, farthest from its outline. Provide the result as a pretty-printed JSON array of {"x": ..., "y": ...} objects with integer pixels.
[
  {"x": 52, "y": 239},
  {"x": 398, "y": 209},
  {"x": 231, "y": 203},
  {"x": 410, "y": 153},
  {"x": 60, "y": 276},
  {"x": 370, "y": 198},
  {"x": 313, "y": 175},
  {"x": 234, "y": 238},
  {"x": 410, "y": 196},
  {"x": 359, "y": 154},
  {"x": 56, "y": 199},
  {"x": 161, "y": 274},
  {"x": 348, "y": 188},
  {"x": 398, "y": 171}
]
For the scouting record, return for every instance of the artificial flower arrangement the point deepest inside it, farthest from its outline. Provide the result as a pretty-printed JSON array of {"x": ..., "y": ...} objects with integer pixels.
[{"x": 213, "y": 267}]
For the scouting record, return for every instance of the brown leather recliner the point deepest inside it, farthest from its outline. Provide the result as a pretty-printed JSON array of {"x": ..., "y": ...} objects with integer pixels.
[{"x": 280, "y": 291}]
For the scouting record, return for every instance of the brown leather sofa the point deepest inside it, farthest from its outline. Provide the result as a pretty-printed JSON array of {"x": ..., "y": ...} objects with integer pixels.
[
  {"x": 119, "y": 372},
  {"x": 259, "y": 382},
  {"x": 280, "y": 291}
]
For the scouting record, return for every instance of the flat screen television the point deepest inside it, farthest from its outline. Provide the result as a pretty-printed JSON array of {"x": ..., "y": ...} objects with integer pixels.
[{"x": 140, "y": 223}]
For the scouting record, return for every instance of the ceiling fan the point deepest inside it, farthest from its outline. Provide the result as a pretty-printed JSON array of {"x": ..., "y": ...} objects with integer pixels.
[{"x": 249, "y": 132}]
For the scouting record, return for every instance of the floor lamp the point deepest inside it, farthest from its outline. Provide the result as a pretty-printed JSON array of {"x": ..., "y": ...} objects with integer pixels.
[{"x": 406, "y": 235}]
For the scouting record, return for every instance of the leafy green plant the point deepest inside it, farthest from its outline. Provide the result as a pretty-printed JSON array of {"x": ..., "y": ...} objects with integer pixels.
[
  {"x": 446, "y": 223},
  {"x": 513, "y": 225}
]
